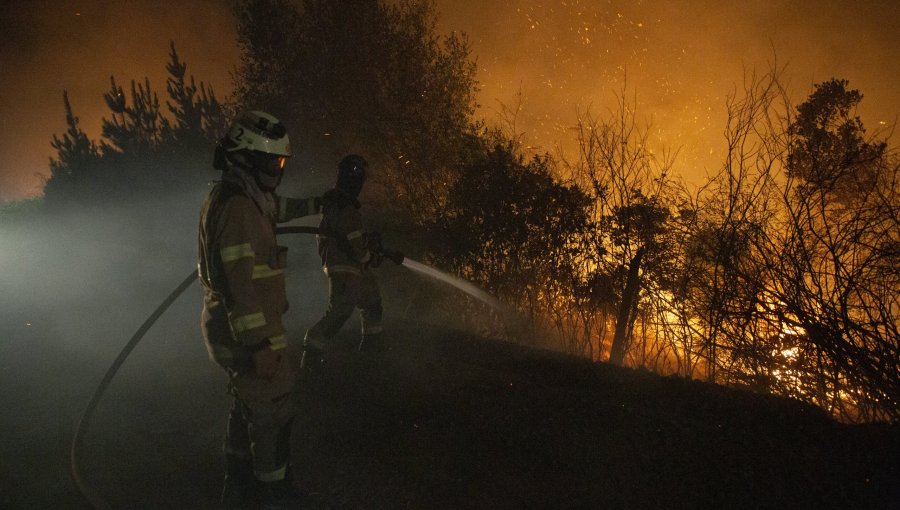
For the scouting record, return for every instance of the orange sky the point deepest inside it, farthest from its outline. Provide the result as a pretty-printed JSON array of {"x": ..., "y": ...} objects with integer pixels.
[{"x": 681, "y": 58}]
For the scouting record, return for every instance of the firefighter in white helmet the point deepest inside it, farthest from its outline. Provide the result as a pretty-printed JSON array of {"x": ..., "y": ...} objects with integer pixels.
[{"x": 241, "y": 270}]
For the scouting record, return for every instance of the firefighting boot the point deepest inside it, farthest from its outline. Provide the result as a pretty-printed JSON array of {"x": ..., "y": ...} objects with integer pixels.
[
  {"x": 280, "y": 495},
  {"x": 240, "y": 490}
]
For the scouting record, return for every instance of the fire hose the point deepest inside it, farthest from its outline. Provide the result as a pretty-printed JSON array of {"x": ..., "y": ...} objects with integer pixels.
[{"x": 96, "y": 500}]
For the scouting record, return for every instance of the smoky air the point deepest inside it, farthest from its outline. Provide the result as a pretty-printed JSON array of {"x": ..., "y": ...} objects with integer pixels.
[
  {"x": 76, "y": 287},
  {"x": 645, "y": 253}
]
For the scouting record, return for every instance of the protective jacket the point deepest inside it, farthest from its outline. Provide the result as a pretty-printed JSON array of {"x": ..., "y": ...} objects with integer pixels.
[
  {"x": 346, "y": 255},
  {"x": 241, "y": 270},
  {"x": 342, "y": 242}
]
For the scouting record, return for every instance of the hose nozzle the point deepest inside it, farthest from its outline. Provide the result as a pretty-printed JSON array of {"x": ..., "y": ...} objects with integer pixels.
[{"x": 394, "y": 256}]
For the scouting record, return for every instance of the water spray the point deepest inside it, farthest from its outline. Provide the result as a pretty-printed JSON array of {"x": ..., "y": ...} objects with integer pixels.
[
  {"x": 460, "y": 284},
  {"x": 511, "y": 319}
]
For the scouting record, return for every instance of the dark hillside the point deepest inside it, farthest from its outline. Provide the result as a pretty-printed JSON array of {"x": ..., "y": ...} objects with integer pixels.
[{"x": 448, "y": 421}]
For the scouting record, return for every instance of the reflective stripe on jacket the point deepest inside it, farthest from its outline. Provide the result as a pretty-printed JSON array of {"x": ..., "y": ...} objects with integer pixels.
[
  {"x": 342, "y": 241},
  {"x": 241, "y": 270}
]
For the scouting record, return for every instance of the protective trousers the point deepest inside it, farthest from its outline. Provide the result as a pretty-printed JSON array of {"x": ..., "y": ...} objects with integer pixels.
[
  {"x": 346, "y": 292},
  {"x": 259, "y": 425}
]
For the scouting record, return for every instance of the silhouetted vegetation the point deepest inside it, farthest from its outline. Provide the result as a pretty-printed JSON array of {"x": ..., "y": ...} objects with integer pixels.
[
  {"x": 143, "y": 151},
  {"x": 367, "y": 77},
  {"x": 779, "y": 273},
  {"x": 511, "y": 226},
  {"x": 790, "y": 273}
]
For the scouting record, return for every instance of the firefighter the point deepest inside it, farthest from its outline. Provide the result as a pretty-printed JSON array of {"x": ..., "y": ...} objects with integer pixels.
[
  {"x": 348, "y": 256},
  {"x": 241, "y": 270}
]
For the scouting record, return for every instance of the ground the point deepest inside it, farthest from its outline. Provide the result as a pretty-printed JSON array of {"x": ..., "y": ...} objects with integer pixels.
[
  {"x": 446, "y": 420},
  {"x": 450, "y": 421}
]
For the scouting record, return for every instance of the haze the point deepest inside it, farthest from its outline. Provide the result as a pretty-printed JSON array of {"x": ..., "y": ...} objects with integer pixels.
[{"x": 678, "y": 59}]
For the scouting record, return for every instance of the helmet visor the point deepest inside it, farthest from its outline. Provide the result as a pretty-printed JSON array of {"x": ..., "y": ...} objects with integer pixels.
[{"x": 270, "y": 164}]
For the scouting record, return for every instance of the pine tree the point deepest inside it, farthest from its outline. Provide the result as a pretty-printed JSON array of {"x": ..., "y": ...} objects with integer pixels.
[
  {"x": 199, "y": 118},
  {"x": 134, "y": 128},
  {"x": 142, "y": 152},
  {"x": 76, "y": 157},
  {"x": 829, "y": 149}
]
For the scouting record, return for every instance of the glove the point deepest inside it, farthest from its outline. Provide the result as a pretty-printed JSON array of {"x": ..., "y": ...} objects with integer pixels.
[
  {"x": 266, "y": 362},
  {"x": 376, "y": 250},
  {"x": 375, "y": 259},
  {"x": 394, "y": 256},
  {"x": 373, "y": 242}
]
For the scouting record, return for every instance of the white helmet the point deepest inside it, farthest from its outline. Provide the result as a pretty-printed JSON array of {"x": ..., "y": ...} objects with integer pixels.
[
  {"x": 258, "y": 131},
  {"x": 258, "y": 143}
]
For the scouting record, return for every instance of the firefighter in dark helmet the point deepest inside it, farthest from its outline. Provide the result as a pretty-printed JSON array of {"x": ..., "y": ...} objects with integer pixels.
[
  {"x": 241, "y": 270},
  {"x": 348, "y": 256}
]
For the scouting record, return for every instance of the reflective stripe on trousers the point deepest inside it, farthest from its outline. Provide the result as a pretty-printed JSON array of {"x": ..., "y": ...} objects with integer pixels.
[
  {"x": 268, "y": 411},
  {"x": 346, "y": 292}
]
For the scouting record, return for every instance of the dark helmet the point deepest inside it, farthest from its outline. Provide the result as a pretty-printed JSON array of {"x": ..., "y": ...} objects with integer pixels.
[
  {"x": 256, "y": 142},
  {"x": 352, "y": 172}
]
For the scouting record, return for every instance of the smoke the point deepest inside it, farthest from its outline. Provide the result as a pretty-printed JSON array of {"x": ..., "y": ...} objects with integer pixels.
[
  {"x": 679, "y": 60},
  {"x": 75, "y": 287}
]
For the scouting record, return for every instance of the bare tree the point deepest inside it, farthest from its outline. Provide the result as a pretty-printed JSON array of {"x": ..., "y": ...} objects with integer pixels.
[
  {"x": 796, "y": 250},
  {"x": 629, "y": 186},
  {"x": 733, "y": 208},
  {"x": 833, "y": 262}
]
